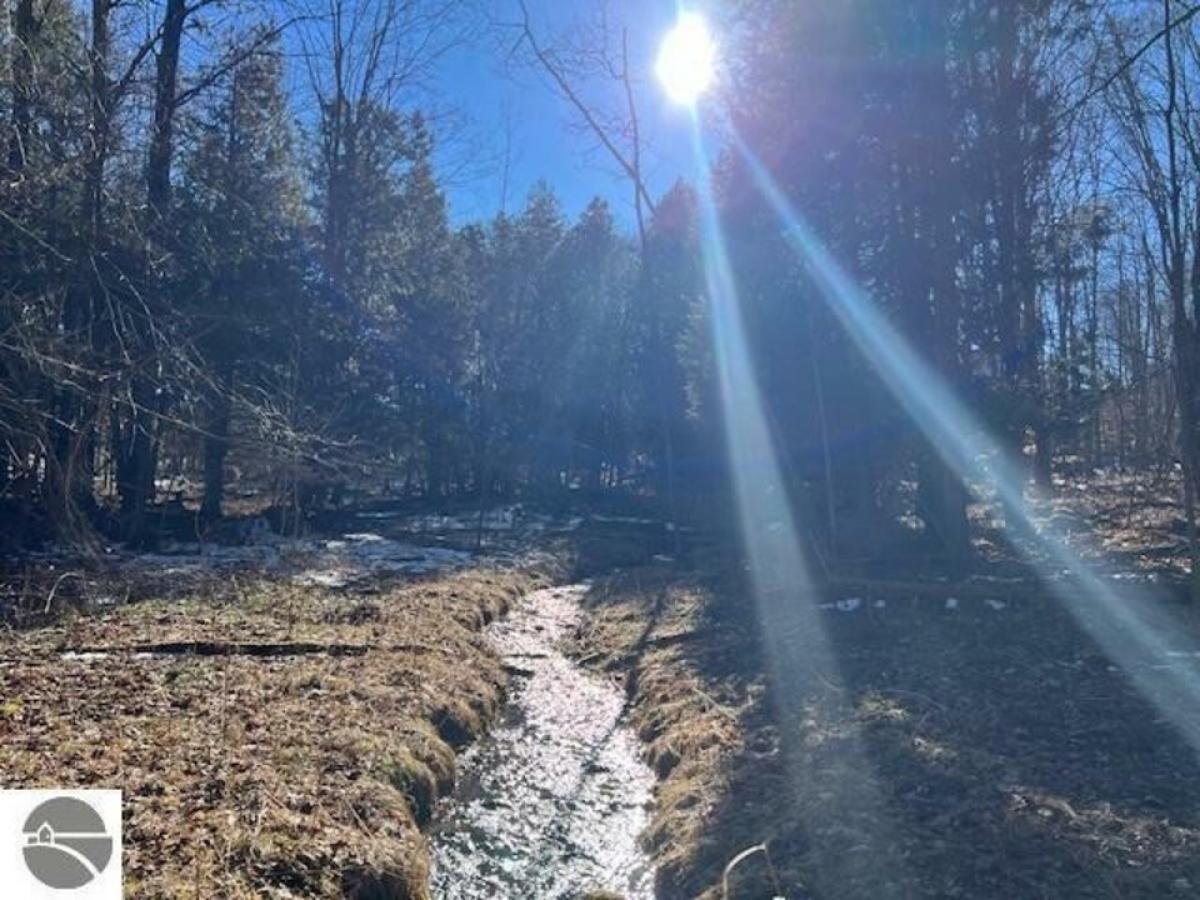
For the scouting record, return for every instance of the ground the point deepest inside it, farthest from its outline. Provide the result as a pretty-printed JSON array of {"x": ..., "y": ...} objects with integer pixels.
[
  {"x": 283, "y": 742},
  {"x": 288, "y": 736},
  {"x": 979, "y": 746}
]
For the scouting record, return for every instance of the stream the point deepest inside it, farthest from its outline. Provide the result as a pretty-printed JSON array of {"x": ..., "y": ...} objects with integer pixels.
[{"x": 551, "y": 803}]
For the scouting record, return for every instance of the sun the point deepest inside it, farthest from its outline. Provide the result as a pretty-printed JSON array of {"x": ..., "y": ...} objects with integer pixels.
[{"x": 687, "y": 59}]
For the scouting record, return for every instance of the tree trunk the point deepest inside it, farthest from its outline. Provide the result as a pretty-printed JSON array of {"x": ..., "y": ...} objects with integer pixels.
[
  {"x": 216, "y": 446},
  {"x": 141, "y": 460},
  {"x": 24, "y": 25}
]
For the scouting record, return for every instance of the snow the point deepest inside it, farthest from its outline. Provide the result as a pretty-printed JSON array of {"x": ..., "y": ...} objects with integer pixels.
[
  {"x": 848, "y": 604},
  {"x": 511, "y": 517},
  {"x": 318, "y": 562},
  {"x": 360, "y": 556}
]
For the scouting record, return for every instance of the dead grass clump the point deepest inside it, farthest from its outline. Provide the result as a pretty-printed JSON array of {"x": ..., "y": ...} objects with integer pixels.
[
  {"x": 970, "y": 752},
  {"x": 415, "y": 780}
]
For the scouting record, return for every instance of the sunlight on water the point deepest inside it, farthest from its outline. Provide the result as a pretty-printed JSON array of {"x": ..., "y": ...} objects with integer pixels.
[{"x": 552, "y": 803}]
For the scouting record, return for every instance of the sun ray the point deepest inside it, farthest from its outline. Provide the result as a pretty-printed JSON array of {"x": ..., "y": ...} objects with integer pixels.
[
  {"x": 1135, "y": 630},
  {"x": 800, "y": 658}
]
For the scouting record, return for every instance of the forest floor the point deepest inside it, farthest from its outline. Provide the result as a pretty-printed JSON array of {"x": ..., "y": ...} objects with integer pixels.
[
  {"x": 1131, "y": 519},
  {"x": 282, "y": 725},
  {"x": 281, "y": 715},
  {"x": 980, "y": 746},
  {"x": 275, "y": 739}
]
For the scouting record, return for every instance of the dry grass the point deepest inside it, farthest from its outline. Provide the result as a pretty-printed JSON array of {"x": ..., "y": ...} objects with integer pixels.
[
  {"x": 651, "y": 626},
  {"x": 974, "y": 752},
  {"x": 298, "y": 774}
]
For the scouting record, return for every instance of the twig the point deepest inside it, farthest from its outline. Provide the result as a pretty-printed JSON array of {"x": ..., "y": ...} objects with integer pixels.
[
  {"x": 54, "y": 590},
  {"x": 742, "y": 857}
]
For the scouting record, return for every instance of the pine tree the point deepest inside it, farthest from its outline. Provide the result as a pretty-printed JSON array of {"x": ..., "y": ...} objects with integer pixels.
[{"x": 240, "y": 215}]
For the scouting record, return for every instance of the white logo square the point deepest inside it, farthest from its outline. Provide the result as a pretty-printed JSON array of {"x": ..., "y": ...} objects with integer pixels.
[{"x": 60, "y": 845}]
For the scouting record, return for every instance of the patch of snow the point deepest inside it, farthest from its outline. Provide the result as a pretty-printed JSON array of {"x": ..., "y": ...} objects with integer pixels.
[
  {"x": 880, "y": 604},
  {"x": 355, "y": 557},
  {"x": 502, "y": 518},
  {"x": 995, "y": 604},
  {"x": 329, "y": 563},
  {"x": 622, "y": 520},
  {"x": 951, "y": 603},
  {"x": 512, "y": 517},
  {"x": 849, "y": 604}
]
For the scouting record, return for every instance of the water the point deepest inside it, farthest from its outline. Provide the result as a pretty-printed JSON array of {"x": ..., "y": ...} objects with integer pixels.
[{"x": 551, "y": 805}]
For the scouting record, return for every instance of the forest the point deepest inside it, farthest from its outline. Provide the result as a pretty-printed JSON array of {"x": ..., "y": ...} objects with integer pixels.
[{"x": 856, "y": 463}]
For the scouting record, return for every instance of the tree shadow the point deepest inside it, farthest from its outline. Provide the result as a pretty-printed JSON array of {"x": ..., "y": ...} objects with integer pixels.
[{"x": 1013, "y": 759}]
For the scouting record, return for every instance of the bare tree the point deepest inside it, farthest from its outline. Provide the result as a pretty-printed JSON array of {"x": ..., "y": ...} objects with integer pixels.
[
  {"x": 618, "y": 129},
  {"x": 1153, "y": 110}
]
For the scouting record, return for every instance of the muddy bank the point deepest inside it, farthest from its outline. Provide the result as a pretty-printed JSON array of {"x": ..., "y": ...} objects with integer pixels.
[{"x": 551, "y": 804}]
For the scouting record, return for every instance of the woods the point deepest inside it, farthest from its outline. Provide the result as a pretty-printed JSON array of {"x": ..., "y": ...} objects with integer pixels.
[
  {"x": 201, "y": 280},
  {"x": 778, "y": 458},
  {"x": 229, "y": 276}
]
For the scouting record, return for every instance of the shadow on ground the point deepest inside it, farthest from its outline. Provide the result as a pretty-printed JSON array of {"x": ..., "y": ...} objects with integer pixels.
[{"x": 982, "y": 751}]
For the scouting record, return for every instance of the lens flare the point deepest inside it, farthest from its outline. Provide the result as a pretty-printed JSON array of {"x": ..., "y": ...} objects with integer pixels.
[
  {"x": 800, "y": 660},
  {"x": 1135, "y": 630},
  {"x": 687, "y": 59}
]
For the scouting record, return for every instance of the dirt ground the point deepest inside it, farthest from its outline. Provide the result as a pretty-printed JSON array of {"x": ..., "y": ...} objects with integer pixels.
[
  {"x": 981, "y": 749},
  {"x": 281, "y": 741}
]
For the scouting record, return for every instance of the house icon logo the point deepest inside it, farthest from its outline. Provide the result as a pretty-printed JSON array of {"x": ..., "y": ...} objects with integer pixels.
[{"x": 66, "y": 843}]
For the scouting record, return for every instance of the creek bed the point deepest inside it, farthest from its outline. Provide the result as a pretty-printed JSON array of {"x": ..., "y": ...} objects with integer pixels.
[{"x": 551, "y": 804}]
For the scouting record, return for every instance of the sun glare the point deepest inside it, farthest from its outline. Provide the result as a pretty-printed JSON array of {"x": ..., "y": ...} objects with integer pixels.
[{"x": 687, "y": 59}]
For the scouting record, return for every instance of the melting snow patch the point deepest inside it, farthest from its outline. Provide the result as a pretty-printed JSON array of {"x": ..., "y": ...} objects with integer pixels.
[
  {"x": 995, "y": 604},
  {"x": 314, "y": 562},
  {"x": 622, "y": 520},
  {"x": 503, "y": 518},
  {"x": 359, "y": 556},
  {"x": 850, "y": 604},
  {"x": 951, "y": 603}
]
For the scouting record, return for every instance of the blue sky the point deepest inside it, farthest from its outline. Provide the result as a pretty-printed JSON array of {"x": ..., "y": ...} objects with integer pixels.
[{"x": 491, "y": 102}]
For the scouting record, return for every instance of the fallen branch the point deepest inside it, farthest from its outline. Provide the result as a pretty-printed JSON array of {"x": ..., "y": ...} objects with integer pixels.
[
  {"x": 231, "y": 648},
  {"x": 222, "y": 648}
]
